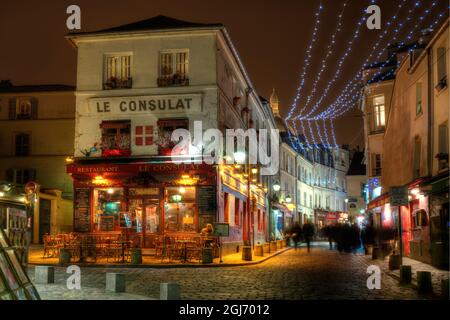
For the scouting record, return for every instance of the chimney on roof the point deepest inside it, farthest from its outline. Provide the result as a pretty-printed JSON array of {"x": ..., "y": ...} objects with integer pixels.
[
  {"x": 426, "y": 35},
  {"x": 5, "y": 83}
]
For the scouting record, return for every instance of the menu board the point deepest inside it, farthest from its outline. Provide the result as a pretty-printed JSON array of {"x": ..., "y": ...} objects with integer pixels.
[
  {"x": 82, "y": 210},
  {"x": 207, "y": 200},
  {"x": 106, "y": 223}
]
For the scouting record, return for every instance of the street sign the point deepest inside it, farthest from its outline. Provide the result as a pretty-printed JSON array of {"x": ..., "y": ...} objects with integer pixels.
[
  {"x": 221, "y": 230},
  {"x": 398, "y": 196}
]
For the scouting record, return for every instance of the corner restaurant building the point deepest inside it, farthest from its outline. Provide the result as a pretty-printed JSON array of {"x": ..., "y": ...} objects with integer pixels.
[{"x": 135, "y": 85}]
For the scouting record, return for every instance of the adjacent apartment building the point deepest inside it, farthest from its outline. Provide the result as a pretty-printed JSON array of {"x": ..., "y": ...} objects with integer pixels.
[
  {"x": 38, "y": 124},
  {"x": 415, "y": 150}
]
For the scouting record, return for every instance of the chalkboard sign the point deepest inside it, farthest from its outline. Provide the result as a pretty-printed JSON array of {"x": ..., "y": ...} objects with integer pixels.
[
  {"x": 221, "y": 230},
  {"x": 106, "y": 223},
  {"x": 82, "y": 210},
  {"x": 207, "y": 202}
]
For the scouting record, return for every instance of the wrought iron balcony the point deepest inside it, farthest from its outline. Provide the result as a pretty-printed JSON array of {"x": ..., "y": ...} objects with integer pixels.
[
  {"x": 173, "y": 80},
  {"x": 116, "y": 83}
]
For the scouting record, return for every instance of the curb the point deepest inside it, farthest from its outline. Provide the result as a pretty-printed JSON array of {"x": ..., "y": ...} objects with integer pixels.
[
  {"x": 412, "y": 285},
  {"x": 165, "y": 266}
]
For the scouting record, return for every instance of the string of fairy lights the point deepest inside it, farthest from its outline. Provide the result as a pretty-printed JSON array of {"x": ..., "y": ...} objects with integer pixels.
[
  {"x": 354, "y": 83},
  {"x": 351, "y": 93},
  {"x": 338, "y": 109},
  {"x": 342, "y": 60}
]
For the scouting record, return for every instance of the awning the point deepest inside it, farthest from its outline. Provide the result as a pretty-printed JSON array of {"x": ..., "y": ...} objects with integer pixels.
[{"x": 378, "y": 201}]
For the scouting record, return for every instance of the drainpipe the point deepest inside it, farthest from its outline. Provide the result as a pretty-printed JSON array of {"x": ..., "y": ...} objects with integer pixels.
[{"x": 430, "y": 119}]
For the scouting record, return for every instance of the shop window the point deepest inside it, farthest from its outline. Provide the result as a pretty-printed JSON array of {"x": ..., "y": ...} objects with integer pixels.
[
  {"x": 109, "y": 210},
  {"x": 420, "y": 218},
  {"x": 117, "y": 72},
  {"x": 115, "y": 138},
  {"x": 180, "y": 209},
  {"x": 237, "y": 212},
  {"x": 22, "y": 144},
  {"x": 165, "y": 129},
  {"x": 174, "y": 67},
  {"x": 144, "y": 135}
]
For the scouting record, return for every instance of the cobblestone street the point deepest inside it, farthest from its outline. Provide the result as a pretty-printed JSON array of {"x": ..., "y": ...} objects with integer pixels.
[{"x": 321, "y": 274}]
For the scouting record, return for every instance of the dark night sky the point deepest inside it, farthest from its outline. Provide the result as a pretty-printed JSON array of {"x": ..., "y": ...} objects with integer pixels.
[{"x": 271, "y": 37}]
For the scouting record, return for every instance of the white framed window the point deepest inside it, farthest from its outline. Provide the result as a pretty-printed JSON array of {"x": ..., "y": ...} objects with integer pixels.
[
  {"x": 174, "y": 63},
  {"x": 379, "y": 112},
  {"x": 117, "y": 71}
]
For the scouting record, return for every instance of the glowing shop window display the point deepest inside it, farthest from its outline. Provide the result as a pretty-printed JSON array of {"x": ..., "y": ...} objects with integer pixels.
[
  {"x": 108, "y": 204},
  {"x": 179, "y": 209}
]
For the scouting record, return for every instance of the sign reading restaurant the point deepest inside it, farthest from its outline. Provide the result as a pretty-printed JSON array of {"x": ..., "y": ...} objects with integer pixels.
[{"x": 146, "y": 104}]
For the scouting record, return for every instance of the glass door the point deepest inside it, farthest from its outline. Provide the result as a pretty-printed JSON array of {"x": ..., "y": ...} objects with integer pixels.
[{"x": 150, "y": 220}]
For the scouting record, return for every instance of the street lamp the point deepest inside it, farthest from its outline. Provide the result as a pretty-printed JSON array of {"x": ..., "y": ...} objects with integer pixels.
[
  {"x": 176, "y": 198},
  {"x": 276, "y": 187},
  {"x": 239, "y": 157},
  {"x": 288, "y": 199}
]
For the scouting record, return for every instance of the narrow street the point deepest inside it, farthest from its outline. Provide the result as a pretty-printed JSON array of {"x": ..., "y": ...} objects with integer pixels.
[{"x": 321, "y": 274}]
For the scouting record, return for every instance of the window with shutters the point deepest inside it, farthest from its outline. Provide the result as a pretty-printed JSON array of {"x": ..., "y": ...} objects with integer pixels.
[
  {"x": 237, "y": 212},
  {"x": 21, "y": 176},
  {"x": 442, "y": 156},
  {"x": 165, "y": 129},
  {"x": 416, "y": 163},
  {"x": 22, "y": 144},
  {"x": 418, "y": 98},
  {"x": 376, "y": 164},
  {"x": 226, "y": 208},
  {"x": 117, "y": 71},
  {"x": 23, "y": 108},
  {"x": 115, "y": 138},
  {"x": 173, "y": 68},
  {"x": 143, "y": 136},
  {"x": 441, "y": 53}
]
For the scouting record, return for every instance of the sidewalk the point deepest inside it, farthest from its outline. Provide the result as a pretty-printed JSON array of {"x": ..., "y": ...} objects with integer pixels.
[
  {"x": 232, "y": 260},
  {"x": 60, "y": 292},
  {"x": 437, "y": 275}
]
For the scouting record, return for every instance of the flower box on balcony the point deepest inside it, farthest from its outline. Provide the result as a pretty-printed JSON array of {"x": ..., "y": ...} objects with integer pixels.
[
  {"x": 116, "y": 83},
  {"x": 116, "y": 153},
  {"x": 175, "y": 80}
]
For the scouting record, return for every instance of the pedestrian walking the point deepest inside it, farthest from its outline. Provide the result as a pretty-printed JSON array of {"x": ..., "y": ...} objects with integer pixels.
[
  {"x": 296, "y": 234},
  {"x": 308, "y": 233},
  {"x": 328, "y": 233}
]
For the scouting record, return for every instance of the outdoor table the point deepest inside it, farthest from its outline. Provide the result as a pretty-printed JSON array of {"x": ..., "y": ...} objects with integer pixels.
[{"x": 184, "y": 253}]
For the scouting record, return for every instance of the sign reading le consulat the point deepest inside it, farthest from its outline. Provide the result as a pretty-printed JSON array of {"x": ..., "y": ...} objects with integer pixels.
[{"x": 146, "y": 104}]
